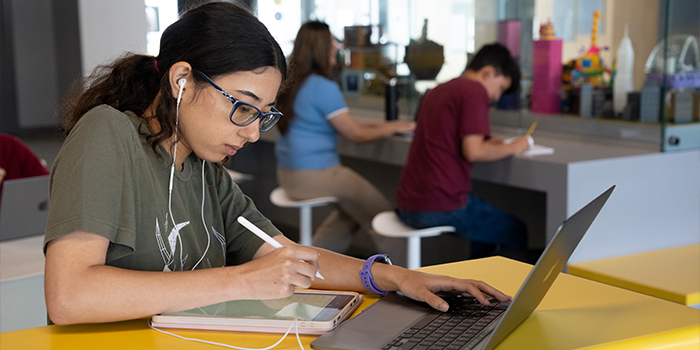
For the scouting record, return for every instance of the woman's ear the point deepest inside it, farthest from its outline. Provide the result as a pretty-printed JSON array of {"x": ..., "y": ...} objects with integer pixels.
[{"x": 180, "y": 70}]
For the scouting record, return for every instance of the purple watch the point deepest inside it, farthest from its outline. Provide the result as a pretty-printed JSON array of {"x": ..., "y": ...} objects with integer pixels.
[{"x": 366, "y": 274}]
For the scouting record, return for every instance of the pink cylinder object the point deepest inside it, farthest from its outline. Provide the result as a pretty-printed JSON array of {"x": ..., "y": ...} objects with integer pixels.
[{"x": 546, "y": 76}]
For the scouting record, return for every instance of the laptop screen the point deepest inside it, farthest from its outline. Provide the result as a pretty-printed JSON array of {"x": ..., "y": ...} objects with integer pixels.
[{"x": 24, "y": 207}]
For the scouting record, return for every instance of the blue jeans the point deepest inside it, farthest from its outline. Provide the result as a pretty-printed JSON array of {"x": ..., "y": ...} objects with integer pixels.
[{"x": 486, "y": 226}]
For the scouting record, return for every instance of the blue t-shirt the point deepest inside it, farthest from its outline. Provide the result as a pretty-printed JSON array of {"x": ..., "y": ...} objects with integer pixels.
[{"x": 311, "y": 141}]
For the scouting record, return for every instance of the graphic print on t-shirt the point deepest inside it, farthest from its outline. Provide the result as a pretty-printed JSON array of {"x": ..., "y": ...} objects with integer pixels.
[
  {"x": 174, "y": 236},
  {"x": 221, "y": 240}
]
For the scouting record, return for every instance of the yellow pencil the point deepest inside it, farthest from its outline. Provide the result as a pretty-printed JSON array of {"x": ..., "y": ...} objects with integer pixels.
[{"x": 532, "y": 128}]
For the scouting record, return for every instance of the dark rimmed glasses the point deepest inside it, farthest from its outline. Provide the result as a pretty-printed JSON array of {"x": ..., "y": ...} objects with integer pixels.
[{"x": 244, "y": 113}]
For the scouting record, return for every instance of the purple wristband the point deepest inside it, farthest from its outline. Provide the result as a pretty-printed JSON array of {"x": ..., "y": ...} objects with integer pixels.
[{"x": 366, "y": 275}]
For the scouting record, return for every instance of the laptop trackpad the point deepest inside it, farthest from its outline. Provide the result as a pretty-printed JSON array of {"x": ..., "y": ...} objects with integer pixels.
[{"x": 380, "y": 322}]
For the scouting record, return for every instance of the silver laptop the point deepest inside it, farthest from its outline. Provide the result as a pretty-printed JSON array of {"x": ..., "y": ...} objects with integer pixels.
[
  {"x": 24, "y": 207},
  {"x": 391, "y": 322}
]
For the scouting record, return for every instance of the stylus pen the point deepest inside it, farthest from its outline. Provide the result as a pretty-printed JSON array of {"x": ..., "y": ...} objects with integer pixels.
[{"x": 264, "y": 236}]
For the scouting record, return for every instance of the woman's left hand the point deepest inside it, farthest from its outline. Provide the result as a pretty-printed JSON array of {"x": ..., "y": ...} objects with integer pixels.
[{"x": 423, "y": 287}]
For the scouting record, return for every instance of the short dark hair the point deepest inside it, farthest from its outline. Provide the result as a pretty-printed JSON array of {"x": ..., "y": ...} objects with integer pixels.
[{"x": 499, "y": 57}]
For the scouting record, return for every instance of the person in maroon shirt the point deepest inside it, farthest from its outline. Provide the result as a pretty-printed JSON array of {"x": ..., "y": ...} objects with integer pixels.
[
  {"x": 17, "y": 160},
  {"x": 452, "y": 133}
]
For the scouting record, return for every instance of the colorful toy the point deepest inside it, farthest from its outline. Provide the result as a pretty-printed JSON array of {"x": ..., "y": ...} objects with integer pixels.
[
  {"x": 590, "y": 64},
  {"x": 547, "y": 31}
]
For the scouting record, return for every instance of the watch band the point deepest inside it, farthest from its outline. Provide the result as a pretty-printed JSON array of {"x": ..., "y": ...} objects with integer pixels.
[{"x": 368, "y": 279}]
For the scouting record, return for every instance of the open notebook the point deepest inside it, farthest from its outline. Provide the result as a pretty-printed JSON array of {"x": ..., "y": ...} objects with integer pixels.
[{"x": 535, "y": 149}]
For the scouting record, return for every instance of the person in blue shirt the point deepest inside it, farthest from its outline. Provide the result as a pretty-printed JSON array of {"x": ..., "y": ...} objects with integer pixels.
[{"x": 308, "y": 164}]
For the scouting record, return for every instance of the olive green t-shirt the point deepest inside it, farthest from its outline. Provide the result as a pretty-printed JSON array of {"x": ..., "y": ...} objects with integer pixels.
[{"x": 107, "y": 180}]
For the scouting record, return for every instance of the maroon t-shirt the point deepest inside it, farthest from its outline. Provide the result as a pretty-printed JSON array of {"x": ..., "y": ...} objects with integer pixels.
[
  {"x": 437, "y": 177},
  {"x": 18, "y": 160}
]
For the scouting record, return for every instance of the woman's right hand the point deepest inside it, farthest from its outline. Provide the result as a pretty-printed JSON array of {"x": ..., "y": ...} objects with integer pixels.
[{"x": 276, "y": 273}]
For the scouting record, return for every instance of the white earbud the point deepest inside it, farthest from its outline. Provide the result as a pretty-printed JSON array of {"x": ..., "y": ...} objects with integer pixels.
[{"x": 182, "y": 83}]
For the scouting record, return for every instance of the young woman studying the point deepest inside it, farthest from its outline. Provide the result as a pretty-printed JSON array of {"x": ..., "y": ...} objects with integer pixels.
[{"x": 143, "y": 220}]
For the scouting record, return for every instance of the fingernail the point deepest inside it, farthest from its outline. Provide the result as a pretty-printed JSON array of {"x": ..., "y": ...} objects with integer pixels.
[{"x": 444, "y": 307}]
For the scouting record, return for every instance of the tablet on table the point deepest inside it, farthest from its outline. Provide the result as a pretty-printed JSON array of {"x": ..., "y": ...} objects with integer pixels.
[{"x": 316, "y": 312}]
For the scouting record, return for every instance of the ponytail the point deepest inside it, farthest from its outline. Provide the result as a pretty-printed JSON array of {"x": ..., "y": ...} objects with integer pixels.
[{"x": 130, "y": 83}]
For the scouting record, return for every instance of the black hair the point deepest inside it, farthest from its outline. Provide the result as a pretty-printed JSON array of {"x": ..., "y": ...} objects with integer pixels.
[
  {"x": 216, "y": 38},
  {"x": 499, "y": 57}
]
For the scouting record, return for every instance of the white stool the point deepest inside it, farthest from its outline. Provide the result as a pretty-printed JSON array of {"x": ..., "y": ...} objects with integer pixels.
[
  {"x": 280, "y": 198},
  {"x": 388, "y": 224}
]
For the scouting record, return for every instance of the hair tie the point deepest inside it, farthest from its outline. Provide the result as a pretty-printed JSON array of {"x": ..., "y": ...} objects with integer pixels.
[{"x": 155, "y": 62}]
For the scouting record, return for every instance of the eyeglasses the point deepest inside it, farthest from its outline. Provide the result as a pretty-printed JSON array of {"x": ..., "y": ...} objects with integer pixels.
[{"x": 244, "y": 113}]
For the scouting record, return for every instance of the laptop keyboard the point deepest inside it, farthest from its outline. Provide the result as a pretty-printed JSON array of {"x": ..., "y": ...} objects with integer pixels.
[{"x": 452, "y": 330}]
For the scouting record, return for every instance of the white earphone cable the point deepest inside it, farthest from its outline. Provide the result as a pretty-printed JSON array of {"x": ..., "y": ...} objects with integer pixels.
[
  {"x": 170, "y": 193},
  {"x": 294, "y": 324},
  {"x": 172, "y": 164},
  {"x": 203, "y": 222},
  {"x": 182, "y": 83}
]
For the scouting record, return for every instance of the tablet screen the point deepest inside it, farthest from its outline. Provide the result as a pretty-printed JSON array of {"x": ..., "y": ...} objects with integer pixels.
[{"x": 302, "y": 306}]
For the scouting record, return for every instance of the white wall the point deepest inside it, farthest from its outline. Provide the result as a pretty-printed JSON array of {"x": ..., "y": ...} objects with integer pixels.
[
  {"x": 486, "y": 17},
  {"x": 655, "y": 205},
  {"x": 110, "y": 28}
]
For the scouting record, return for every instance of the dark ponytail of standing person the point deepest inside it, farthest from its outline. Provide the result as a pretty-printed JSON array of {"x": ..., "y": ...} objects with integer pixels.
[
  {"x": 216, "y": 38},
  {"x": 311, "y": 55}
]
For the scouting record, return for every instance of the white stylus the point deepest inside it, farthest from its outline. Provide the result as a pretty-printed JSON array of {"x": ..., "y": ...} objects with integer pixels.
[{"x": 264, "y": 236}]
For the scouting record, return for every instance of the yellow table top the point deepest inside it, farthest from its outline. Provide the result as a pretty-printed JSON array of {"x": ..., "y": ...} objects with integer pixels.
[
  {"x": 672, "y": 274},
  {"x": 576, "y": 314}
]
